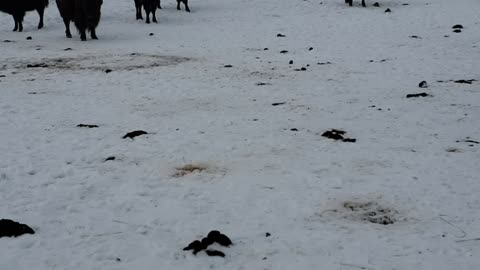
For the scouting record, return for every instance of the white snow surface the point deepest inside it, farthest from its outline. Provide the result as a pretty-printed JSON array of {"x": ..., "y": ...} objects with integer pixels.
[{"x": 411, "y": 157}]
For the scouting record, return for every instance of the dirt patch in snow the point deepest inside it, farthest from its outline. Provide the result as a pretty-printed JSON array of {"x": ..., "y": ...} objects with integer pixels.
[
  {"x": 365, "y": 211},
  {"x": 189, "y": 169},
  {"x": 131, "y": 61}
]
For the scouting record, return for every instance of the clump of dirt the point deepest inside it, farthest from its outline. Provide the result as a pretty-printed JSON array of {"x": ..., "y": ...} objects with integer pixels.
[
  {"x": 189, "y": 169},
  {"x": 370, "y": 211}
]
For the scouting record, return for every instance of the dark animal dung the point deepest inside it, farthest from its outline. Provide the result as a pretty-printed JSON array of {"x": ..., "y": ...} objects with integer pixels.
[
  {"x": 423, "y": 84},
  {"x": 134, "y": 134},
  {"x": 10, "y": 228},
  {"x": 418, "y": 95},
  {"x": 337, "y": 135},
  {"x": 87, "y": 126},
  {"x": 219, "y": 238},
  {"x": 216, "y": 253}
]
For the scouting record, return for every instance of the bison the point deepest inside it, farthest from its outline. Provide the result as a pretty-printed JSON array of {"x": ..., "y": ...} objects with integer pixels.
[
  {"x": 84, "y": 13},
  {"x": 350, "y": 2},
  {"x": 18, "y": 8},
  {"x": 185, "y": 2},
  {"x": 150, "y": 6}
]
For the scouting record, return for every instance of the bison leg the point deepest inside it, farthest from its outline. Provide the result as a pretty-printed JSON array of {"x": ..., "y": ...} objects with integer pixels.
[
  {"x": 16, "y": 24},
  {"x": 40, "y": 13},
  {"x": 154, "y": 19},
  {"x": 363, "y": 3},
  {"x": 67, "y": 28},
  {"x": 185, "y": 2},
  {"x": 178, "y": 5},
  {"x": 349, "y": 2},
  {"x": 83, "y": 35},
  {"x": 93, "y": 34},
  {"x": 147, "y": 13},
  {"x": 139, "y": 13}
]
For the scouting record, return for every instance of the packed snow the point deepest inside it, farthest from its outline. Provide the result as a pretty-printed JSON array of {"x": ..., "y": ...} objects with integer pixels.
[{"x": 217, "y": 153}]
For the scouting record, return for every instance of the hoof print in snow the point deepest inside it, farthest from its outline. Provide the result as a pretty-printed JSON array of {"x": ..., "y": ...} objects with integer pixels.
[
  {"x": 376, "y": 4},
  {"x": 110, "y": 158},
  {"x": 423, "y": 84},
  {"x": 39, "y": 65},
  {"x": 418, "y": 95},
  {"x": 371, "y": 212},
  {"x": 465, "y": 81},
  {"x": 108, "y": 71},
  {"x": 278, "y": 103},
  {"x": 10, "y": 228},
  {"x": 388, "y": 10},
  {"x": 280, "y": 35},
  {"x": 213, "y": 253},
  {"x": 29, "y": 38},
  {"x": 189, "y": 169},
  {"x": 227, "y": 66},
  {"x": 337, "y": 135},
  {"x": 134, "y": 134},
  {"x": 457, "y": 26},
  {"x": 284, "y": 51},
  {"x": 87, "y": 126},
  {"x": 212, "y": 237}
]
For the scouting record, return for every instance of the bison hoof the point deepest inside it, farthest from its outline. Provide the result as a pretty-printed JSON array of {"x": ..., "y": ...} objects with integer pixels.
[
  {"x": 40, "y": 26},
  {"x": 187, "y": 10}
]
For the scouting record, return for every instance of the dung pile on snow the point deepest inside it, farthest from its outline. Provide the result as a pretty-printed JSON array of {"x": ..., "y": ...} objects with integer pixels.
[
  {"x": 10, "y": 228},
  {"x": 336, "y": 134},
  {"x": 371, "y": 212},
  {"x": 212, "y": 237}
]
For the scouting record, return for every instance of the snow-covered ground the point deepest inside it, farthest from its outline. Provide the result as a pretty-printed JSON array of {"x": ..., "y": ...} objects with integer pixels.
[{"x": 411, "y": 158}]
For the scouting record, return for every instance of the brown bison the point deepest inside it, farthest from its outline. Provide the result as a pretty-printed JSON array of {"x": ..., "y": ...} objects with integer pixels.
[{"x": 350, "y": 2}]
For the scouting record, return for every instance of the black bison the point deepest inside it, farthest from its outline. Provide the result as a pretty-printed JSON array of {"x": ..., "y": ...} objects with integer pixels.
[
  {"x": 350, "y": 2},
  {"x": 18, "y": 8},
  {"x": 84, "y": 13},
  {"x": 150, "y": 6},
  {"x": 185, "y": 2}
]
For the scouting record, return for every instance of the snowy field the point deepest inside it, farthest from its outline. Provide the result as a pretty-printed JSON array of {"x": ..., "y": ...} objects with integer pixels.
[{"x": 262, "y": 168}]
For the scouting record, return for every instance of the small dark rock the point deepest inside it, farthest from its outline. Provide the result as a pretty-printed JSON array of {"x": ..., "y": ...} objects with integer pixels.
[
  {"x": 291, "y": 62},
  {"x": 310, "y": 49},
  {"x": 387, "y": 10},
  {"x": 10, "y": 228},
  {"x": 278, "y": 103},
  {"x": 87, "y": 126},
  {"x": 303, "y": 69},
  {"x": 211, "y": 252},
  {"x": 418, "y": 95},
  {"x": 134, "y": 134},
  {"x": 423, "y": 84},
  {"x": 457, "y": 26}
]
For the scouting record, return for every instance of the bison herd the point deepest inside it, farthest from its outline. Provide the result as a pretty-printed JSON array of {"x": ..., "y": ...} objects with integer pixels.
[{"x": 85, "y": 14}]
